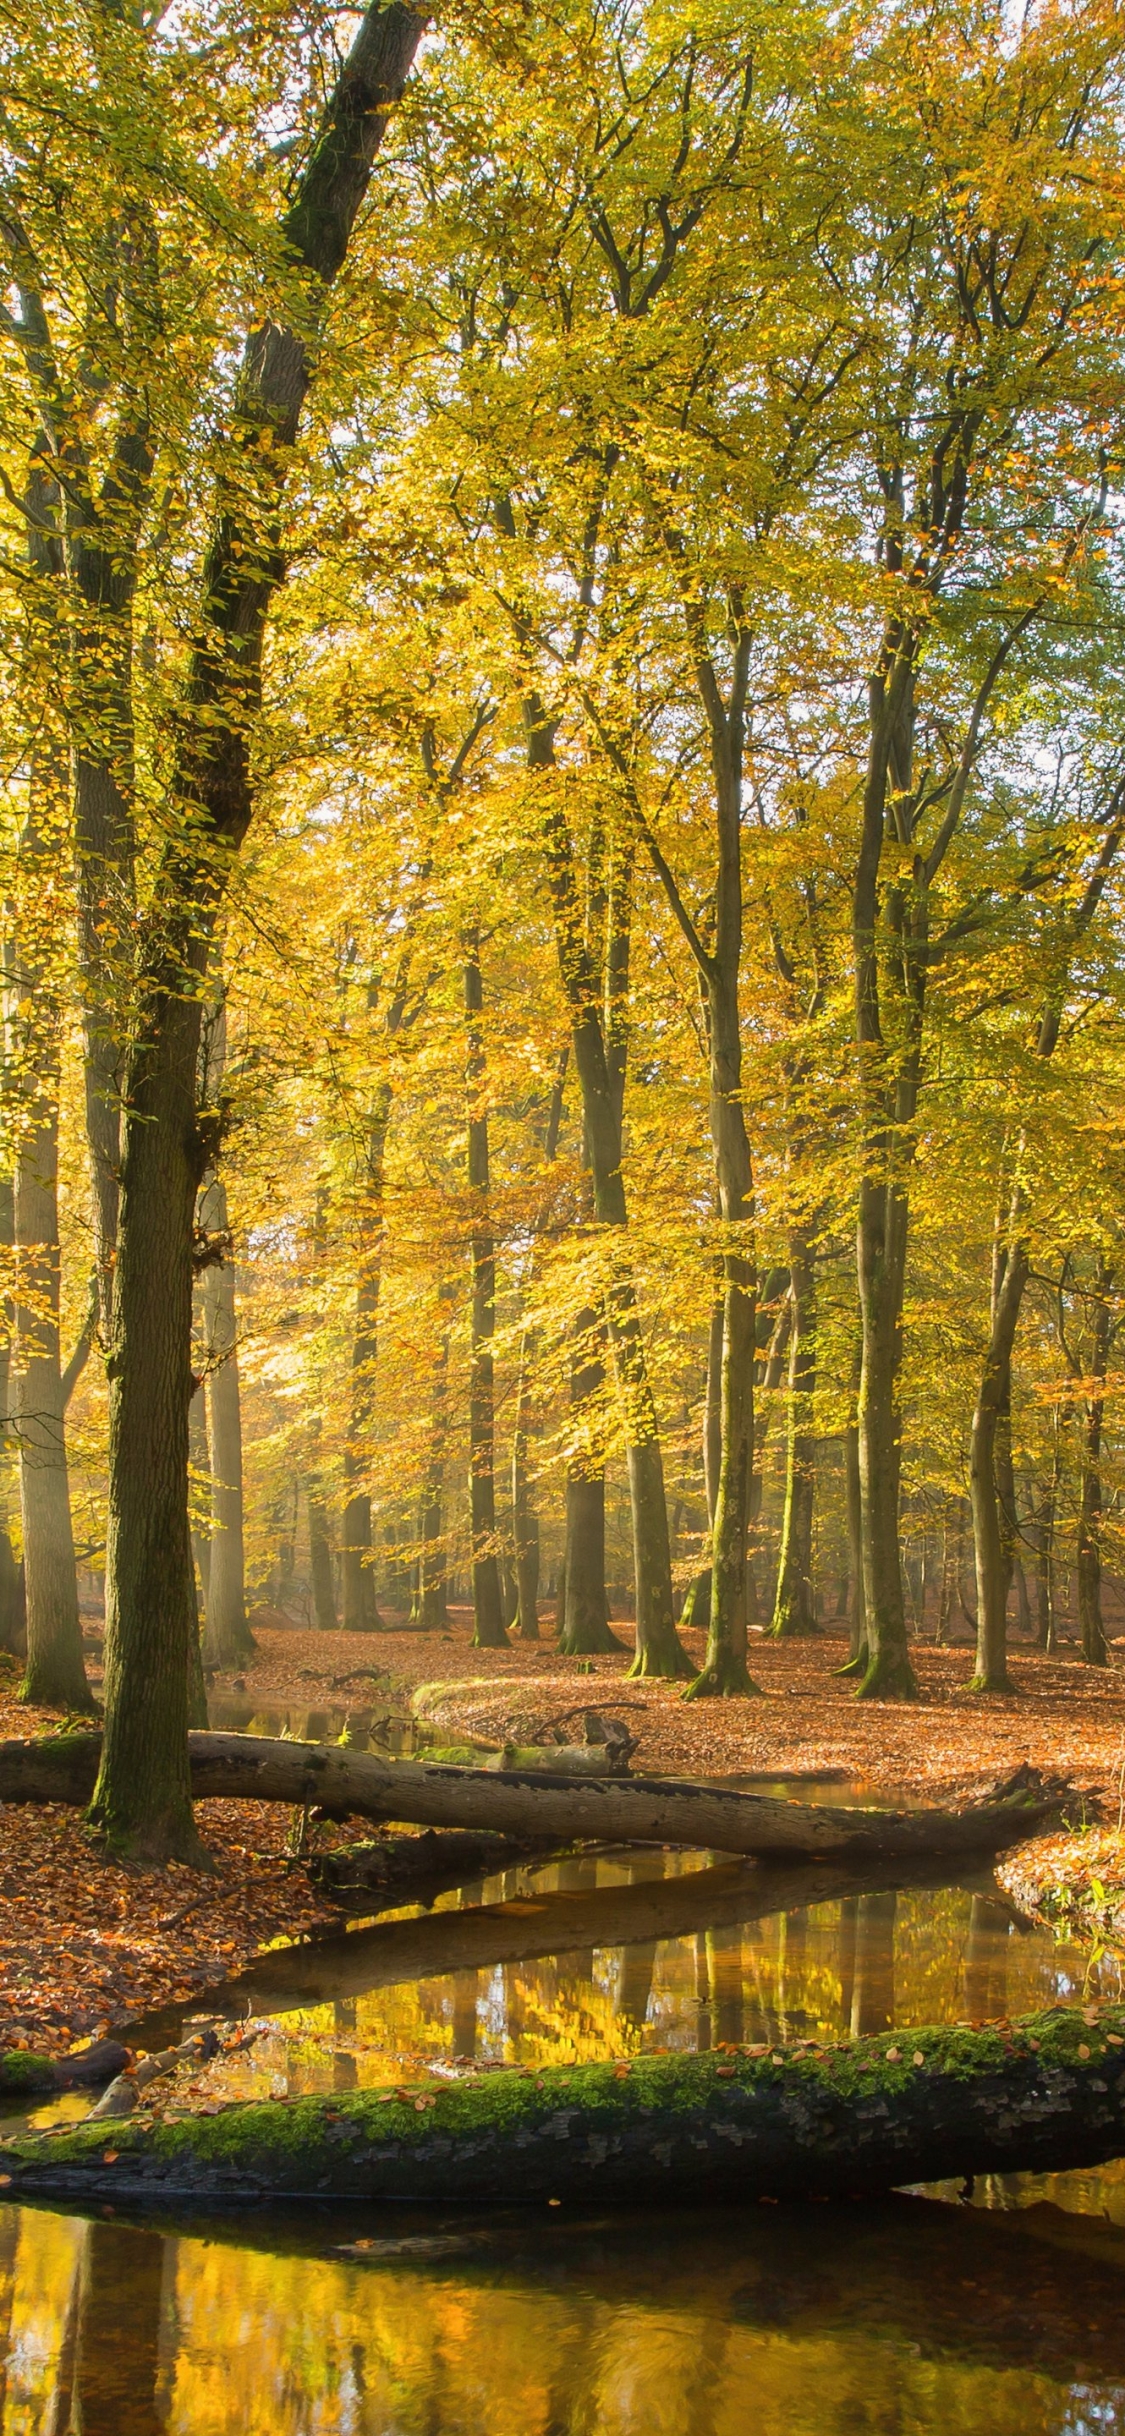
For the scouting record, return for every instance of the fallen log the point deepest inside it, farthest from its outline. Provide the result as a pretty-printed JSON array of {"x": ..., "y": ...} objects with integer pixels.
[
  {"x": 559, "y": 1808},
  {"x": 802, "y": 2122},
  {"x": 23, "y": 2074},
  {"x": 290, "y": 1978}
]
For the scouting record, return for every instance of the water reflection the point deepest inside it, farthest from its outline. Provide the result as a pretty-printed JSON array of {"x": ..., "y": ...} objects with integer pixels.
[
  {"x": 639, "y": 1952},
  {"x": 817, "y": 2322}
]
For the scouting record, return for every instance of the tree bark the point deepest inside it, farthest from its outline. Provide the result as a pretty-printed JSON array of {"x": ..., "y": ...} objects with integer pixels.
[
  {"x": 634, "y": 1809},
  {"x": 991, "y": 1419},
  {"x": 227, "y": 1638},
  {"x": 1088, "y": 1559},
  {"x": 320, "y": 1564},
  {"x": 585, "y": 1628},
  {"x": 598, "y": 1049},
  {"x": 806, "y": 2122},
  {"x": 142, "y": 1802},
  {"x": 55, "y": 1675},
  {"x": 794, "y": 1612},
  {"x": 525, "y": 1521},
  {"x": 488, "y": 1611},
  {"x": 361, "y": 1607}
]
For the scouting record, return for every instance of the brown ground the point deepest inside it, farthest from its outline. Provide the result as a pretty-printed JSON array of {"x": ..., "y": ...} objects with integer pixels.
[{"x": 86, "y": 1947}]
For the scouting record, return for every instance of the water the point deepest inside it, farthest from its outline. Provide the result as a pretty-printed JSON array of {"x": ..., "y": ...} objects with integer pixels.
[
  {"x": 914, "y": 2318},
  {"x": 911, "y": 2317},
  {"x": 632, "y": 1952}
]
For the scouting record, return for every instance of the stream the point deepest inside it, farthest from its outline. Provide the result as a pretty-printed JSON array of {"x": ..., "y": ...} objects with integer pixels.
[{"x": 924, "y": 2316}]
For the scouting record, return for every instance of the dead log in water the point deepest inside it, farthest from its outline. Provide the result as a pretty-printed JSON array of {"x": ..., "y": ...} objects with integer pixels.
[
  {"x": 555, "y": 1808},
  {"x": 920, "y": 2106}
]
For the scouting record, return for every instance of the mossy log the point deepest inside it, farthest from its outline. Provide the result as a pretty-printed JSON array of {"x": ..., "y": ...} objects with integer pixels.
[
  {"x": 23, "y": 2074},
  {"x": 631, "y": 1809},
  {"x": 801, "y": 2122}
]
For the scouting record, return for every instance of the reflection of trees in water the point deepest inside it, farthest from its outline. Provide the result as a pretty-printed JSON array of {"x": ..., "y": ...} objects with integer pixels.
[
  {"x": 638, "y": 1962},
  {"x": 792, "y": 1958},
  {"x": 873, "y": 1984},
  {"x": 724, "y": 1950},
  {"x": 108, "y": 2370},
  {"x": 986, "y": 1961},
  {"x": 345, "y": 2074}
]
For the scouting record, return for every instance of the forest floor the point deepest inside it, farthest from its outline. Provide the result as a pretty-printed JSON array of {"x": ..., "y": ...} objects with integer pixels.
[{"x": 86, "y": 1946}]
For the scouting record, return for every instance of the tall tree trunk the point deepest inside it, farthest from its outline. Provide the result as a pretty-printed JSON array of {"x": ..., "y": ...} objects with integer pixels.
[
  {"x": 881, "y": 1268},
  {"x": 598, "y": 1044},
  {"x": 697, "y": 1605},
  {"x": 55, "y": 1676},
  {"x": 793, "y": 1607},
  {"x": 991, "y": 1424},
  {"x": 432, "y": 1611},
  {"x": 525, "y": 1521},
  {"x": 724, "y": 1674},
  {"x": 1045, "y": 1543},
  {"x": 1088, "y": 1561},
  {"x": 200, "y": 1462},
  {"x": 857, "y": 1620},
  {"x": 993, "y": 1527},
  {"x": 320, "y": 1563},
  {"x": 361, "y": 1607},
  {"x": 13, "y": 1618},
  {"x": 585, "y": 1630},
  {"x": 227, "y": 1637},
  {"x": 488, "y": 1612},
  {"x": 142, "y": 1801}
]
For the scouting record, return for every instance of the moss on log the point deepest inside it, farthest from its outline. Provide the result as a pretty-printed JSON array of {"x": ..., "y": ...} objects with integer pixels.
[
  {"x": 21, "y": 2073},
  {"x": 803, "y": 2122},
  {"x": 558, "y": 1808}
]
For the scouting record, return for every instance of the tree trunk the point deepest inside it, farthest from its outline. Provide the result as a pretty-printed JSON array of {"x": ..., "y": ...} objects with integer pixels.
[
  {"x": 724, "y": 1674},
  {"x": 1088, "y": 1562},
  {"x": 991, "y": 1426},
  {"x": 585, "y": 1631},
  {"x": 881, "y": 1267},
  {"x": 1045, "y": 1544},
  {"x": 697, "y": 1604},
  {"x": 488, "y": 1612},
  {"x": 13, "y": 1617},
  {"x": 320, "y": 1565},
  {"x": 227, "y": 1638},
  {"x": 361, "y": 1607},
  {"x": 55, "y": 1676},
  {"x": 200, "y": 1464},
  {"x": 793, "y": 1608},
  {"x": 142, "y": 1802},
  {"x": 525, "y": 1523},
  {"x": 598, "y": 1045},
  {"x": 817, "y": 2123}
]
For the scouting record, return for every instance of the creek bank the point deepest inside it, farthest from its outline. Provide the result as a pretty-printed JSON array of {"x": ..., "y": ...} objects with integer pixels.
[{"x": 1041, "y": 2095}]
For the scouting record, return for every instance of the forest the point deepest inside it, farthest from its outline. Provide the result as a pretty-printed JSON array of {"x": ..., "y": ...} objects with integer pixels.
[{"x": 562, "y": 841}]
